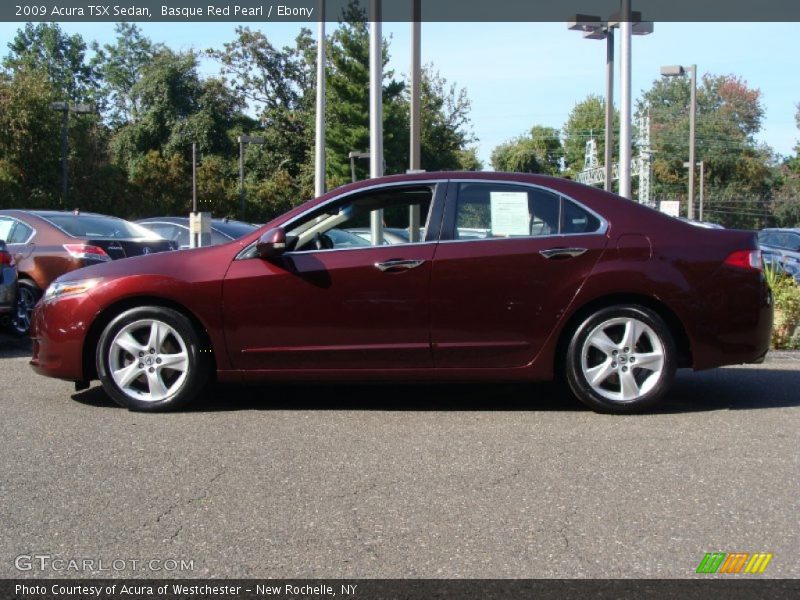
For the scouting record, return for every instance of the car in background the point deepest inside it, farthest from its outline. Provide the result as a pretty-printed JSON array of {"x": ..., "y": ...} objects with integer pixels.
[
  {"x": 703, "y": 224},
  {"x": 782, "y": 242},
  {"x": 391, "y": 235},
  {"x": 569, "y": 282},
  {"x": 8, "y": 286},
  {"x": 177, "y": 229},
  {"x": 49, "y": 243}
]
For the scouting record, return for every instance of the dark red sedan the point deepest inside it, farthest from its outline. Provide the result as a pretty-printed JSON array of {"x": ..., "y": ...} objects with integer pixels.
[{"x": 505, "y": 277}]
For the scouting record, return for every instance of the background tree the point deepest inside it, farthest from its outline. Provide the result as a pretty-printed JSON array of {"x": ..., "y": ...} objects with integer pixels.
[
  {"x": 45, "y": 49},
  {"x": 738, "y": 175},
  {"x": 118, "y": 67},
  {"x": 586, "y": 120},
  {"x": 539, "y": 151}
]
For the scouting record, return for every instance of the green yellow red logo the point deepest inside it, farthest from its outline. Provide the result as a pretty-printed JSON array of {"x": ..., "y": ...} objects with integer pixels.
[{"x": 734, "y": 562}]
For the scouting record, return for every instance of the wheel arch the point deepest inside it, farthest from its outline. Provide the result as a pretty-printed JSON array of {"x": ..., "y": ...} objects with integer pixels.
[
  {"x": 673, "y": 323},
  {"x": 112, "y": 310}
]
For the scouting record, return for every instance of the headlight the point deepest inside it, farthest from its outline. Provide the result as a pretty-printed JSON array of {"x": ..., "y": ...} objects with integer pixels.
[{"x": 58, "y": 289}]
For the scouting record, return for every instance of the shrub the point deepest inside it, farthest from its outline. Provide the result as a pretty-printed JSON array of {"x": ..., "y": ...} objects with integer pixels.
[{"x": 786, "y": 295}]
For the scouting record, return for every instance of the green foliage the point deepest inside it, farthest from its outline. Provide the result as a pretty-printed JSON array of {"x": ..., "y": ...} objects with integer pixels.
[
  {"x": 44, "y": 48},
  {"x": 587, "y": 120},
  {"x": 538, "y": 152},
  {"x": 26, "y": 138},
  {"x": 136, "y": 160},
  {"x": 738, "y": 172},
  {"x": 786, "y": 296},
  {"x": 118, "y": 67}
]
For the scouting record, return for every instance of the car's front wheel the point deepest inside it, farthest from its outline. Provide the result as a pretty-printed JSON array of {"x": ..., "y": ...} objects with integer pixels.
[
  {"x": 150, "y": 359},
  {"x": 621, "y": 359}
]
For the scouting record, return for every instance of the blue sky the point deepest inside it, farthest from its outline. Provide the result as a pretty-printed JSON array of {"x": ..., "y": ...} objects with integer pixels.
[{"x": 521, "y": 74}]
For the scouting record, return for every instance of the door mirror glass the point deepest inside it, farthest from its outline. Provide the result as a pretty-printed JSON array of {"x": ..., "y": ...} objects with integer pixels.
[{"x": 272, "y": 243}]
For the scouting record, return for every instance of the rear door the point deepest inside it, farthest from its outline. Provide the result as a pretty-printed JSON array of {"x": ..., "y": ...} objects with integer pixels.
[{"x": 517, "y": 256}]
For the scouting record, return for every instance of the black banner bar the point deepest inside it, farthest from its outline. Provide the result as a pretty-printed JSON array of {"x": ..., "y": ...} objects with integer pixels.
[
  {"x": 264, "y": 11},
  {"x": 730, "y": 588}
]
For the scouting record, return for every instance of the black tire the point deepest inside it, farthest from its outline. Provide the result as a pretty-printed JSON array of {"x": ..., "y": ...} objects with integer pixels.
[
  {"x": 620, "y": 385},
  {"x": 155, "y": 385},
  {"x": 28, "y": 295}
]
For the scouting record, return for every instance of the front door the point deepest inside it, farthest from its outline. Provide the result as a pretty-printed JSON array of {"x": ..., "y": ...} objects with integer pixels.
[{"x": 334, "y": 300}]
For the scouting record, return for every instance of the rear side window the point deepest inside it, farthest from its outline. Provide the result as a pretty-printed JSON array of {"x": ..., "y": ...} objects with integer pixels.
[
  {"x": 20, "y": 233},
  {"x": 502, "y": 210}
]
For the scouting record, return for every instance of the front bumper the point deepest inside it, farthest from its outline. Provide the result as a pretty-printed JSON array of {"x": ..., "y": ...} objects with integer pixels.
[{"x": 58, "y": 330}]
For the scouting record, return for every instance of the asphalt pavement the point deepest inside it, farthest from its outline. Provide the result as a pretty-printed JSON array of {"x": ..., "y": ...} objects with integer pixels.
[{"x": 312, "y": 481}]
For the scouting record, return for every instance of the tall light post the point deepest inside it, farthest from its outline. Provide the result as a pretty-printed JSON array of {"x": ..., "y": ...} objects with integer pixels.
[
  {"x": 319, "y": 139},
  {"x": 415, "y": 127},
  {"x": 65, "y": 108},
  {"x": 376, "y": 112},
  {"x": 594, "y": 28},
  {"x": 244, "y": 139},
  {"x": 679, "y": 71}
]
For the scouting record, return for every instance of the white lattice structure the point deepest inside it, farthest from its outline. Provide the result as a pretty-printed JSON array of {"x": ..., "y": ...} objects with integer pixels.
[{"x": 595, "y": 174}]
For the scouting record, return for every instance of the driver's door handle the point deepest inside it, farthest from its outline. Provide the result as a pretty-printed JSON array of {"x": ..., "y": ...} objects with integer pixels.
[
  {"x": 562, "y": 252},
  {"x": 391, "y": 265}
]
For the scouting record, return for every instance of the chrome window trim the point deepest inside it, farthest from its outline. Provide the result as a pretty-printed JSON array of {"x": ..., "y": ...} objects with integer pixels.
[
  {"x": 242, "y": 255},
  {"x": 16, "y": 220},
  {"x": 603, "y": 230}
]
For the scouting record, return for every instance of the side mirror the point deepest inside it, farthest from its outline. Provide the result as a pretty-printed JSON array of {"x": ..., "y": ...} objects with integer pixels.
[{"x": 271, "y": 243}]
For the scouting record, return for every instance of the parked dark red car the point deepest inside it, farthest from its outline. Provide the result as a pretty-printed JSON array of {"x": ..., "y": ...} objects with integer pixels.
[
  {"x": 562, "y": 279},
  {"x": 49, "y": 243}
]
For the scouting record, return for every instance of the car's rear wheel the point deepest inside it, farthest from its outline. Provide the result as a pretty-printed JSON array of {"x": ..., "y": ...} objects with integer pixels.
[
  {"x": 27, "y": 296},
  {"x": 150, "y": 359},
  {"x": 621, "y": 359}
]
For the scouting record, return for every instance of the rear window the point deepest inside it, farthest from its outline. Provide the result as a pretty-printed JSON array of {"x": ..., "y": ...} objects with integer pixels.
[
  {"x": 96, "y": 226},
  {"x": 234, "y": 229}
]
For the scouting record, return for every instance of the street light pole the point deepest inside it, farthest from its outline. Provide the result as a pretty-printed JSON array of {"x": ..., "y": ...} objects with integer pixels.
[
  {"x": 64, "y": 108},
  {"x": 609, "y": 137},
  {"x": 376, "y": 112},
  {"x": 692, "y": 122},
  {"x": 676, "y": 71},
  {"x": 625, "y": 106},
  {"x": 319, "y": 140},
  {"x": 594, "y": 28}
]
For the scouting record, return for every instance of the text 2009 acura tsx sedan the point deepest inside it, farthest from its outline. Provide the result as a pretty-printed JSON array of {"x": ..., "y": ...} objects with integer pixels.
[{"x": 504, "y": 277}]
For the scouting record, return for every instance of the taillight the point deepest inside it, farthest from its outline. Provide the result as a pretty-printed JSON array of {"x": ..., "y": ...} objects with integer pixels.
[
  {"x": 746, "y": 259},
  {"x": 6, "y": 259},
  {"x": 86, "y": 251}
]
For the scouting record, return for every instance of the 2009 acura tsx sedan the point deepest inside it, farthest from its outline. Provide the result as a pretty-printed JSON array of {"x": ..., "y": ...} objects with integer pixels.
[{"x": 504, "y": 277}]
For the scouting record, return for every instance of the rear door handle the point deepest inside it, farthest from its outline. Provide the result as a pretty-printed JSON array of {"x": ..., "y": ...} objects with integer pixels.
[
  {"x": 398, "y": 264},
  {"x": 562, "y": 252}
]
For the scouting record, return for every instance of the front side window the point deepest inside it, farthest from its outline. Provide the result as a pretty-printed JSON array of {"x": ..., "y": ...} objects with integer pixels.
[
  {"x": 346, "y": 224},
  {"x": 506, "y": 211}
]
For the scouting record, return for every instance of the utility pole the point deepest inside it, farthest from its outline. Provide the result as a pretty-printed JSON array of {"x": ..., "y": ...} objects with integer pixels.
[{"x": 319, "y": 139}]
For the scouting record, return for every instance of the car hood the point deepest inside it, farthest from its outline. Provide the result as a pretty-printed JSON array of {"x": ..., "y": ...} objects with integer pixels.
[{"x": 211, "y": 261}]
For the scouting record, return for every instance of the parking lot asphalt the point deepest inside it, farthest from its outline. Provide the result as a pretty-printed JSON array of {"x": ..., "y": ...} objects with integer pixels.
[{"x": 314, "y": 481}]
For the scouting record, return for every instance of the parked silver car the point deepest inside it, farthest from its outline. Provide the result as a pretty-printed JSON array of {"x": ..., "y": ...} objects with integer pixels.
[{"x": 782, "y": 242}]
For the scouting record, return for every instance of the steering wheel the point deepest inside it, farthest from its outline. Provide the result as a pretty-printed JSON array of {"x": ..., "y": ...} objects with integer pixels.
[{"x": 322, "y": 241}]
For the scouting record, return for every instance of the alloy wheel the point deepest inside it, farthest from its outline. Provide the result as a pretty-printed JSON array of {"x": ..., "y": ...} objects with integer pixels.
[
  {"x": 622, "y": 359},
  {"x": 148, "y": 360}
]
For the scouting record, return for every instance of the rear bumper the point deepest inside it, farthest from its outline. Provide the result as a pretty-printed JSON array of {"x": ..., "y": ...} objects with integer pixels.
[
  {"x": 739, "y": 330},
  {"x": 58, "y": 331}
]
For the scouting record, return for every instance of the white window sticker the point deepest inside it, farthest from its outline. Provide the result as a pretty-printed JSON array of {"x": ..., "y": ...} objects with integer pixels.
[{"x": 510, "y": 213}]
